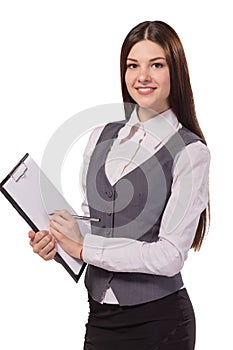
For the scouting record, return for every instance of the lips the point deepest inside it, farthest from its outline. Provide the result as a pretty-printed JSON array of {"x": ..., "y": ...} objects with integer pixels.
[{"x": 145, "y": 90}]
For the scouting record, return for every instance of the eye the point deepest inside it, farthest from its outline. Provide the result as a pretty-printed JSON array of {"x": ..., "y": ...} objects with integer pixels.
[
  {"x": 157, "y": 65},
  {"x": 132, "y": 65}
]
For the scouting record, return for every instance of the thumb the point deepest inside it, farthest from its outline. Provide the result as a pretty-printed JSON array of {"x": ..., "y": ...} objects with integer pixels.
[{"x": 31, "y": 234}]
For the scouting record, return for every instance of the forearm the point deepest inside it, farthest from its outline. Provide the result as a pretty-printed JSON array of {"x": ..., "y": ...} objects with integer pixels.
[{"x": 128, "y": 255}]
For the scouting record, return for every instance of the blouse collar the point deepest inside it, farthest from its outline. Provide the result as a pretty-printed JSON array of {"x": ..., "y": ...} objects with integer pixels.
[{"x": 159, "y": 127}]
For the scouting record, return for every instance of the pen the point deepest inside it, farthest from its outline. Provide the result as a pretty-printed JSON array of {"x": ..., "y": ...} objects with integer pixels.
[{"x": 80, "y": 217}]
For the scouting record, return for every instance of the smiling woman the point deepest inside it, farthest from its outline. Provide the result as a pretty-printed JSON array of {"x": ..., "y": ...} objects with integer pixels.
[{"x": 146, "y": 179}]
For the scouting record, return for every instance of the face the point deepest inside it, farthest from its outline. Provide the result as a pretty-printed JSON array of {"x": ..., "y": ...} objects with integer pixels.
[{"x": 147, "y": 76}]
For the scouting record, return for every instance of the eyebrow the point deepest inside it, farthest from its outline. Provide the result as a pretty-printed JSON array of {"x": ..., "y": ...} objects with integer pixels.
[{"x": 152, "y": 59}]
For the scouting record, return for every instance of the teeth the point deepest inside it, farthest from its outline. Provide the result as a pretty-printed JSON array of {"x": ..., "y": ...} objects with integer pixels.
[{"x": 145, "y": 89}]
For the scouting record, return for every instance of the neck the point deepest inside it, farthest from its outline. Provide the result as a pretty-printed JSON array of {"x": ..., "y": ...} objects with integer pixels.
[{"x": 145, "y": 114}]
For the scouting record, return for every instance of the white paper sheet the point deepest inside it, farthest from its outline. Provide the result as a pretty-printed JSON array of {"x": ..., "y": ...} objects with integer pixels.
[{"x": 37, "y": 197}]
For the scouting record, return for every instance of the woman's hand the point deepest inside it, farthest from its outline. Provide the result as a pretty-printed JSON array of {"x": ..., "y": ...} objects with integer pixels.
[
  {"x": 43, "y": 243},
  {"x": 66, "y": 231}
]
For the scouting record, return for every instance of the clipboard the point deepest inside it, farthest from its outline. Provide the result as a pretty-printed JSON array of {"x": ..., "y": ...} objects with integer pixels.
[{"x": 34, "y": 196}]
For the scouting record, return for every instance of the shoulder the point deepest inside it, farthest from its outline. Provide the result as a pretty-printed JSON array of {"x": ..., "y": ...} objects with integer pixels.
[
  {"x": 198, "y": 148},
  {"x": 194, "y": 144},
  {"x": 195, "y": 155},
  {"x": 198, "y": 152}
]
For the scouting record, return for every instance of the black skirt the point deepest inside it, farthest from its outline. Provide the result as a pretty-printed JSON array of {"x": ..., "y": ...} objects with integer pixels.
[{"x": 164, "y": 324}]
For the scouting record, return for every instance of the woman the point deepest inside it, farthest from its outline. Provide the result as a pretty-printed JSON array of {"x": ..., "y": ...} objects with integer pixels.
[{"x": 146, "y": 179}]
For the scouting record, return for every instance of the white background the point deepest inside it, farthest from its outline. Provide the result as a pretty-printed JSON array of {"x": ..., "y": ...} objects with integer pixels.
[{"x": 58, "y": 58}]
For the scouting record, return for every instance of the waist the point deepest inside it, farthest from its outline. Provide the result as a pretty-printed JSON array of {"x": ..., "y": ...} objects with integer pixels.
[
  {"x": 108, "y": 306},
  {"x": 110, "y": 298}
]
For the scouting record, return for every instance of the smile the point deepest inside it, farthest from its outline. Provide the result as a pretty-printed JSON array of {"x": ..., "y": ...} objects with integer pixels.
[{"x": 145, "y": 90}]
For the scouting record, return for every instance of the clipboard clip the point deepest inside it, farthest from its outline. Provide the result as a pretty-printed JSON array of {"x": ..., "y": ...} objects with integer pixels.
[{"x": 19, "y": 172}]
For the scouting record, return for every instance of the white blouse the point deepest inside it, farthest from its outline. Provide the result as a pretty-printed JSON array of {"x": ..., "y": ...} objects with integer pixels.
[{"x": 189, "y": 197}]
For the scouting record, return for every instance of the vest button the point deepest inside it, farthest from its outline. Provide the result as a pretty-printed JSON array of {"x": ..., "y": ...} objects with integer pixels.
[
  {"x": 109, "y": 214},
  {"x": 109, "y": 193}
]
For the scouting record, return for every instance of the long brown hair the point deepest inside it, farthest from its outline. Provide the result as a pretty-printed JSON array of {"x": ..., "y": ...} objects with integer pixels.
[{"x": 181, "y": 95}]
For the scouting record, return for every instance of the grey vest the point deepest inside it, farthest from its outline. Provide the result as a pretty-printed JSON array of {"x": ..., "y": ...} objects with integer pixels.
[{"x": 131, "y": 208}]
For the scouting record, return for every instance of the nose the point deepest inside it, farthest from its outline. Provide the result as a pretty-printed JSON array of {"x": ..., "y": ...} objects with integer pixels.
[{"x": 144, "y": 75}]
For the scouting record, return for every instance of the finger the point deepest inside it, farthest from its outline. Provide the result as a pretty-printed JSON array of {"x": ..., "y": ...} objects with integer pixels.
[
  {"x": 62, "y": 227},
  {"x": 63, "y": 214},
  {"x": 55, "y": 226},
  {"x": 41, "y": 244},
  {"x": 55, "y": 232},
  {"x": 60, "y": 232},
  {"x": 49, "y": 251},
  {"x": 35, "y": 237},
  {"x": 40, "y": 235},
  {"x": 56, "y": 219},
  {"x": 49, "y": 254}
]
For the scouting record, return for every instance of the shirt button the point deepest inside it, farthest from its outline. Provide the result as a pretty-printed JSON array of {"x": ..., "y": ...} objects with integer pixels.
[{"x": 109, "y": 214}]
